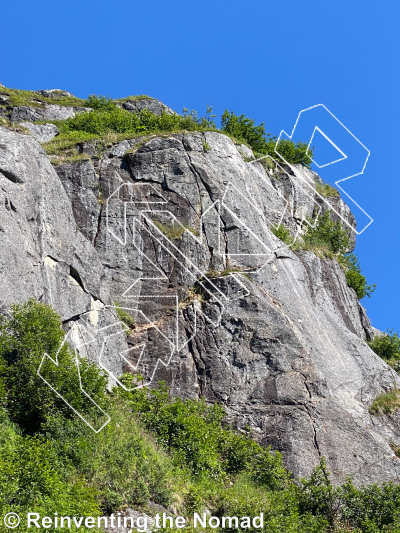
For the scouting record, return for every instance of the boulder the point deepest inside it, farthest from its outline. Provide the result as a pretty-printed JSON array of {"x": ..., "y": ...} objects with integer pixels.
[
  {"x": 42, "y": 132},
  {"x": 155, "y": 106},
  {"x": 44, "y": 112}
]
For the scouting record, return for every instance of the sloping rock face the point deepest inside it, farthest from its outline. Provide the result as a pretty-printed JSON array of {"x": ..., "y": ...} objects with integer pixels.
[
  {"x": 157, "y": 224},
  {"x": 43, "y": 254}
]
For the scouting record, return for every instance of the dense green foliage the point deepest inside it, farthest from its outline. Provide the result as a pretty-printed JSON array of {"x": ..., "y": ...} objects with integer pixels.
[
  {"x": 244, "y": 129},
  {"x": 326, "y": 234},
  {"x": 31, "y": 331},
  {"x": 156, "y": 448},
  {"x": 387, "y": 346},
  {"x": 330, "y": 239},
  {"x": 355, "y": 278},
  {"x": 107, "y": 117}
]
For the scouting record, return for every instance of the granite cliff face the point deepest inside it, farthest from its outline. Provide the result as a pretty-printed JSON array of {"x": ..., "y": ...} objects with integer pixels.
[{"x": 281, "y": 346}]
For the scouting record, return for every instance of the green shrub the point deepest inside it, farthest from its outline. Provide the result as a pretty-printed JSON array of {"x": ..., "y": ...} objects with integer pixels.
[
  {"x": 355, "y": 279},
  {"x": 30, "y": 480},
  {"x": 283, "y": 233},
  {"x": 32, "y": 330},
  {"x": 125, "y": 317},
  {"x": 121, "y": 461},
  {"x": 193, "y": 431},
  {"x": 97, "y": 101},
  {"x": 245, "y": 130},
  {"x": 387, "y": 346},
  {"x": 205, "y": 464},
  {"x": 107, "y": 117},
  {"x": 327, "y": 235},
  {"x": 294, "y": 153}
]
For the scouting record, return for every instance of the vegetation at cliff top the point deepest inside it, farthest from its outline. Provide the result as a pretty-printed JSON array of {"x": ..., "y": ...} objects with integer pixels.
[
  {"x": 329, "y": 239},
  {"x": 107, "y": 117},
  {"x": 262, "y": 143},
  {"x": 19, "y": 97},
  {"x": 177, "y": 453}
]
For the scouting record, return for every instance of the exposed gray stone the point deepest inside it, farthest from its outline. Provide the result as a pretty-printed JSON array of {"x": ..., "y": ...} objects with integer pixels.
[
  {"x": 245, "y": 152},
  {"x": 42, "y": 132},
  {"x": 43, "y": 253},
  {"x": 82, "y": 186},
  {"x": 134, "y": 515},
  {"x": 53, "y": 93},
  {"x": 44, "y": 112},
  {"x": 155, "y": 106}
]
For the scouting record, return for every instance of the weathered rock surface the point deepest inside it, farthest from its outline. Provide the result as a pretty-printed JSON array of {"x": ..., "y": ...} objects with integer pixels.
[
  {"x": 155, "y": 106},
  {"x": 282, "y": 347},
  {"x": 42, "y": 132},
  {"x": 53, "y": 93},
  {"x": 43, "y": 254},
  {"x": 45, "y": 112}
]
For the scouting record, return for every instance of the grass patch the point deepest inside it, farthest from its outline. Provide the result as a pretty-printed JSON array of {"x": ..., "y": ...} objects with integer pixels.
[
  {"x": 134, "y": 97},
  {"x": 32, "y": 99},
  {"x": 386, "y": 403},
  {"x": 324, "y": 189},
  {"x": 206, "y": 146},
  {"x": 125, "y": 317},
  {"x": 174, "y": 231},
  {"x": 65, "y": 159},
  {"x": 283, "y": 233}
]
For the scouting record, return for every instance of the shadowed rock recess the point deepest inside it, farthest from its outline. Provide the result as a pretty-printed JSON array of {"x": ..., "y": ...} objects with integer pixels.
[{"x": 289, "y": 359}]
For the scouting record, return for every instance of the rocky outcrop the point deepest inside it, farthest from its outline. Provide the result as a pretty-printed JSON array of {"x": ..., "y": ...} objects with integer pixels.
[
  {"x": 138, "y": 104},
  {"x": 154, "y": 221},
  {"x": 44, "y": 112},
  {"x": 43, "y": 252},
  {"x": 42, "y": 132}
]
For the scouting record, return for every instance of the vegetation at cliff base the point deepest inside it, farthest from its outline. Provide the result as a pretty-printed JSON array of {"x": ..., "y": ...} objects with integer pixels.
[{"x": 177, "y": 453}]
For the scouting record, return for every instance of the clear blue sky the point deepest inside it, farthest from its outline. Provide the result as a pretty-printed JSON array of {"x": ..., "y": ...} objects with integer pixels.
[{"x": 266, "y": 59}]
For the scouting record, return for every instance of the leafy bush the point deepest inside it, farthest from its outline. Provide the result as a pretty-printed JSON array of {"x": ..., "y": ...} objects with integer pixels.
[
  {"x": 370, "y": 509},
  {"x": 387, "y": 346},
  {"x": 282, "y": 233},
  {"x": 107, "y": 117},
  {"x": 327, "y": 234},
  {"x": 245, "y": 130},
  {"x": 32, "y": 330},
  {"x": 97, "y": 101},
  {"x": 355, "y": 279},
  {"x": 194, "y": 432},
  {"x": 121, "y": 462},
  {"x": 30, "y": 480}
]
